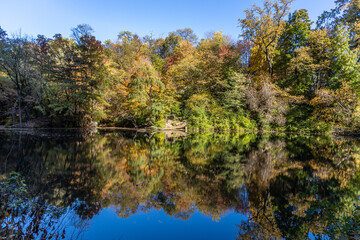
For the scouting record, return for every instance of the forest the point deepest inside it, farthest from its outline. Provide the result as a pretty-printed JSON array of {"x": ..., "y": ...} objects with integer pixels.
[{"x": 284, "y": 73}]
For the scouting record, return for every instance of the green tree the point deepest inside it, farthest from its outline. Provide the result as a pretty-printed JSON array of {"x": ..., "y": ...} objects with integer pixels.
[
  {"x": 76, "y": 73},
  {"x": 346, "y": 12},
  {"x": 295, "y": 36},
  {"x": 345, "y": 65}
]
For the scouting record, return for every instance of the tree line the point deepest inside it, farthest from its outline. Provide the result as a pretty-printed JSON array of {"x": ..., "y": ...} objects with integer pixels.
[{"x": 284, "y": 73}]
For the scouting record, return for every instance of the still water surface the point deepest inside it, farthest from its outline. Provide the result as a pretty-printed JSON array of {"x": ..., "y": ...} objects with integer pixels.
[{"x": 128, "y": 185}]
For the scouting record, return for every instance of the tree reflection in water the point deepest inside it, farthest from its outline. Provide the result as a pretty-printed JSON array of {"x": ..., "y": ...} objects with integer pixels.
[{"x": 288, "y": 186}]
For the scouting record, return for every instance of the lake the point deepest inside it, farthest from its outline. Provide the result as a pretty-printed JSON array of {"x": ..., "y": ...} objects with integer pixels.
[{"x": 107, "y": 184}]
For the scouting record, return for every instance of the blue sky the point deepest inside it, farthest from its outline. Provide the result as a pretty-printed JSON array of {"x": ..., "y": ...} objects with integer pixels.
[{"x": 156, "y": 17}]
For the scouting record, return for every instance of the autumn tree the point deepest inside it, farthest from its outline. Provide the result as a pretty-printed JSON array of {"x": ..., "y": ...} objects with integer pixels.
[
  {"x": 171, "y": 42},
  {"x": 144, "y": 103},
  {"x": 126, "y": 50},
  {"x": 183, "y": 70},
  {"x": 16, "y": 61},
  {"x": 264, "y": 26}
]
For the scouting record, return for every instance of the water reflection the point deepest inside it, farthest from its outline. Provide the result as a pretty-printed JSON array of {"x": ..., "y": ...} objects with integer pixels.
[{"x": 289, "y": 186}]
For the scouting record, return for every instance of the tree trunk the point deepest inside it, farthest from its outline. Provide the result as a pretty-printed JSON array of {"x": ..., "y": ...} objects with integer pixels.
[
  {"x": 13, "y": 114},
  {"x": 271, "y": 69},
  {"x": 270, "y": 65},
  {"x": 27, "y": 112},
  {"x": 19, "y": 104}
]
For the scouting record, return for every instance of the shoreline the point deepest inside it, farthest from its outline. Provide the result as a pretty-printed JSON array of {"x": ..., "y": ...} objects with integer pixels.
[{"x": 189, "y": 130}]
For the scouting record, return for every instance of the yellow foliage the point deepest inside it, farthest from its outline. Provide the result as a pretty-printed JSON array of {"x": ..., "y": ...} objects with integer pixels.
[{"x": 258, "y": 63}]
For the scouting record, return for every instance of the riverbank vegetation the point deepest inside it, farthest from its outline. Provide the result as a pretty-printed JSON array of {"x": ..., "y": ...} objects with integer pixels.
[{"x": 285, "y": 73}]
